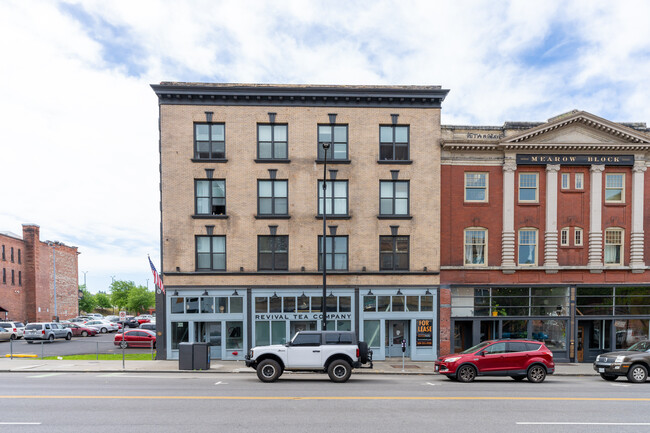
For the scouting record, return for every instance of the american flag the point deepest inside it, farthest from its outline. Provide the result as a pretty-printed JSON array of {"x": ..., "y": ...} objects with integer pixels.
[{"x": 156, "y": 278}]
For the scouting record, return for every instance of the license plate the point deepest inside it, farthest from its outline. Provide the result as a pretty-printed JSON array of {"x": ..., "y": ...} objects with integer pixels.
[{"x": 601, "y": 370}]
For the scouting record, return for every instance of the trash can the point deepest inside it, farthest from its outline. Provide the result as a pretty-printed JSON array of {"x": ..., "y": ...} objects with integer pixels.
[
  {"x": 185, "y": 356},
  {"x": 201, "y": 356}
]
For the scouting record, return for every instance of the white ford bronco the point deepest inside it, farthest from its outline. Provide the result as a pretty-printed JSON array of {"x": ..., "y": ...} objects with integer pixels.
[{"x": 334, "y": 352}]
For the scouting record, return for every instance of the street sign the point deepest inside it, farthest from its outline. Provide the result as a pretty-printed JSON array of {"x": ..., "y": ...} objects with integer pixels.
[{"x": 122, "y": 316}]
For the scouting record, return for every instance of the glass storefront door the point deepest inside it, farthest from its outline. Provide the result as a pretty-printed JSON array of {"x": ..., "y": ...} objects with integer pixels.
[
  {"x": 396, "y": 331},
  {"x": 209, "y": 332},
  {"x": 489, "y": 330}
]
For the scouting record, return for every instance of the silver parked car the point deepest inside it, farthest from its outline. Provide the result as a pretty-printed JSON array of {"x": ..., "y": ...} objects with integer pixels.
[
  {"x": 102, "y": 326},
  {"x": 17, "y": 329},
  {"x": 5, "y": 335},
  {"x": 46, "y": 331}
]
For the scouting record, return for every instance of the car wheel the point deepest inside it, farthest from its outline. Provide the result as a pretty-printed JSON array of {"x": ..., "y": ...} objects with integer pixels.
[
  {"x": 637, "y": 373},
  {"x": 466, "y": 374},
  {"x": 518, "y": 378},
  {"x": 609, "y": 377},
  {"x": 268, "y": 370},
  {"x": 84, "y": 333},
  {"x": 13, "y": 336},
  {"x": 536, "y": 374},
  {"x": 104, "y": 330},
  {"x": 51, "y": 338},
  {"x": 339, "y": 371},
  {"x": 68, "y": 336}
]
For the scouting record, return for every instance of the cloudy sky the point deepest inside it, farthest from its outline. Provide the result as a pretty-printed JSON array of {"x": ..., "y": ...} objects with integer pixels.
[{"x": 78, "y": 131}]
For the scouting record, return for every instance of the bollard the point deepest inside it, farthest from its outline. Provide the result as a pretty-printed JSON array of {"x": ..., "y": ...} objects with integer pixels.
[
  {"x": 11, "y": 348},
  {"x": 97, "y": 351},
  {"x": 42, "y": 350}
]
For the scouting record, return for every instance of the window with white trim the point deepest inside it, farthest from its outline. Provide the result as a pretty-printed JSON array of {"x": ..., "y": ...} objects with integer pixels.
[
  {"x": 577, "y": 237},
  {"x": 614, "y": 246},
  {"x": 476, "y": 187},
  {"x": 564, "y": 237},
  {"x": 527, "y": 251},
  {"x": 579, "y": 181},
  {"x": 566, "y": 181},
  {"x": 475, "y": 246},
  {"x": 528, "y": 187},
  {"x": 614, "y": 187}
]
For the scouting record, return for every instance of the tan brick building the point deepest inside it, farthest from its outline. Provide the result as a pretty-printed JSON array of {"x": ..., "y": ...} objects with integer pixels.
[
  {"x": 31, "y": 270},
  {"x": 242, "y": 203}
]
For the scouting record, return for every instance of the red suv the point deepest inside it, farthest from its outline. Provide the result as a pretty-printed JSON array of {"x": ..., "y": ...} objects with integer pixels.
[{"x": 518, "y": 359}]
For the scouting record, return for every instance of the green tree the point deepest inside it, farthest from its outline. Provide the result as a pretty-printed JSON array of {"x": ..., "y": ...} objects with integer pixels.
[
  {"x": 103, "y": 301},
  {"x": 88, "y": 302},
  {"x": 120, "y": 293},
  {"x": 141, "y": 299}
]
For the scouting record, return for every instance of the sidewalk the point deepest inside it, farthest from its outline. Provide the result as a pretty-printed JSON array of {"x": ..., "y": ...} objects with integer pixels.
[{"x": 22, "y": 365}]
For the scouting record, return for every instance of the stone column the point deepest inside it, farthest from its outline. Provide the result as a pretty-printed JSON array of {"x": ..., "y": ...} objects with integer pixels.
[
  {"x": 596, "y": 221},
  {"x": 637, "y": 263},
  {"x": 508, "y": 234},
  {"x": 550, "y": 235}
]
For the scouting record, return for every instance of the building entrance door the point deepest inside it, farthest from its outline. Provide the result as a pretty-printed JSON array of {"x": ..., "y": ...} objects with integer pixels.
[
  {"x": 489, "y": 330},
  {"x": 581, "y": 343},
  {"x": 462, "y": 335},
  {"x": 396, "y": 331},
  {"x": 210, "y": 332}
]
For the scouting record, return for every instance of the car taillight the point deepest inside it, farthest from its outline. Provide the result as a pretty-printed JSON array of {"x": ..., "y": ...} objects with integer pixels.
[
  {"x": 43, "y": 332},
  {"x": 15, "y": 330},
  {"x": 357, "y": 352}
]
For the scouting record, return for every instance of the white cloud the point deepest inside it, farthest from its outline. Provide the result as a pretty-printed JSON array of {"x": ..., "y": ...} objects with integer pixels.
[{"x": 79, "y": 137}]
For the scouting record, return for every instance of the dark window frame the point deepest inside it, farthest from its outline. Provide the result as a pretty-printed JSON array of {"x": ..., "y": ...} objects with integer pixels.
[
  {"x": 274, "y": 253},
  {"x": 333, "y": 254},
  {"x": 4, "y": 257},
  {"x": 210, "y": 197},
  {"x": 19, "y": 256},
  {"x": 273, "y": 142},
  {"x": 4, "y": 275},
  {"x": 330, "y": 153},
  {"x": 20, "y": 278},
  {"x": 393, "y": 143},
  {"x": 12, "y": 255},
  {"x": 393, "y": 198},
  {"x": 211, "y": 253},
  {"x": 331, "y": 199},
  {"x": 13, "y": 278},
  {"x": 273, "y": 197},
  {"x": 210, "y": 142},
  {"x": 394, "y": 253}
]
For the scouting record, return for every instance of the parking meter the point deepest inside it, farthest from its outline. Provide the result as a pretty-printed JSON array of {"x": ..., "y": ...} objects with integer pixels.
[{"x": 403, "y": 344}]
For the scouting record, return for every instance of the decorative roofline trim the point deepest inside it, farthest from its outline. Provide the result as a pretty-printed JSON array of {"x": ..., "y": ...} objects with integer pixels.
[{"x": 323, "y": 96}]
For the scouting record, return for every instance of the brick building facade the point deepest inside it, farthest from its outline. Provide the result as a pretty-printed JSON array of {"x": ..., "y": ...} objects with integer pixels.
[
  {"x": 542, "y": 233},
  {"x": 29, "y": 267},
  {"x": 241, "y": 212}
]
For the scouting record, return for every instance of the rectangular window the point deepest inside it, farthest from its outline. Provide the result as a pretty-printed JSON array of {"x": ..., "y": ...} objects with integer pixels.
[
  {"x": 564, "y": 237},
  {"x": 272, "y": 197},
  {"x": 394, "y": 253},
  {"x": 272, "y": 253},
  {"x": 579, "y": 181},
  {"x": 209, "y": 141},
  {"x": 613, "y": 246},
  {"x": 336, "y": 197},
  {"x": 476, "y": 185},
  {"x": 20, "y": 278},
  {"x": 527, "y": 247},
  {"x": 4, "y": 275},
  {"x": 211, "y": 253},
  {"x": 178, "y": 305},
  {"x": 180, "y": 334},
  {"x": 19, "y": 256},
  {"x": 394, "y": 143},
  {"x": 475, "y": 243},
  {"x": 272, "y": 141},
  {"x": 337, "y": 137},
  {"x": 12, "y": 254},
  {"x": 528, "y": 187},
  {"x": 3, "y": 253},
  {"x": 13, "y": 278},
  {"x": 614, "y": 188},
  {"x": 394, "y": 197},
  {"x": 336, "y": 255},
  {"x": 371, "y": 333},
  {"x": 210, "y": 197},
  {"x": 577, "y": 237},
  {"x": 234, "y": 335},
  {"x": 566, "y": 181}
]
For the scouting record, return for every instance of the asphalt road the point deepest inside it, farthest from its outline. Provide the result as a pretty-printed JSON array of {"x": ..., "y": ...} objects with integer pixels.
[
  {"x": 172, "y": 402},
  {"x": 102, "y": 343}
]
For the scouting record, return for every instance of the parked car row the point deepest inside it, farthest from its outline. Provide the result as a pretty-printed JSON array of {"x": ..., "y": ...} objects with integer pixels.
[{"x": 16, "y": 329}]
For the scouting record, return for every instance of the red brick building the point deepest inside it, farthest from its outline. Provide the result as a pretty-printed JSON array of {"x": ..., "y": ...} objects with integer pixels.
[
  {"x": 542, "y": 234},
  {"x": 32, "y": 271}
]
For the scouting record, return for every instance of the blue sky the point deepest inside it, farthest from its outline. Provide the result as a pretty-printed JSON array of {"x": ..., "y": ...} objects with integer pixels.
[{"x": 79, "y": 136}]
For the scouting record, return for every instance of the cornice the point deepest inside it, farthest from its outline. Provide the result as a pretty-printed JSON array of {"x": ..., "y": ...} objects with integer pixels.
[{"x": 299, "y": 95}]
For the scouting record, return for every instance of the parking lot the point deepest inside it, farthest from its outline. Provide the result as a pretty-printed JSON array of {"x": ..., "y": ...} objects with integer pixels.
[{"x": 99, "y": 344}]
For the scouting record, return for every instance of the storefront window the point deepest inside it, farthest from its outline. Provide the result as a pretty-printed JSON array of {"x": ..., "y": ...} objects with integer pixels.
[
  {"x": 207, "y": 305},
  {"x": 234, "y": 335},
  {"x": 371, "y": 333},
  {"x": 262, "y": 333},
  {"x": 261, "y": 305},
  {"x": 383, "y": 303},
  {"x": 331, "y": 303},
  {"x": 303, "y": 304},
  {"x": 345, "y": 304},
  {"x": 178, "y": 305},
  {"x": 289, "y": 304},
  {"x": 629, "y": 332},
  {"x": 180, "y": 333},
  {"x": 316, "y": 304},
  {"x": 398, "y": 303},
  {"x": 632, "y": 301},
  {"x": 275, "y": 304},
  {"x": 514, "y": 329},
  {"x": 278, "y": 332},
  {"x": 369, "y": 303},
  {"x": 551, "y": 332},
  {"x": 344, "y": 325},
  {"x": 594, "y": 301},
  {"x": 426, "y": 303},
  {"x": 599, "y": 332},
  {"x": 236, "y": 304},
  {"x": 412, "y": 303},
  {"x": 192, "y": 305},
  {"x": 222, "y": 305}
]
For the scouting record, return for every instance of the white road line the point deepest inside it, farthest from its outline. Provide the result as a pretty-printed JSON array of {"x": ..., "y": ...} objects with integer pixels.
[
  {"x": 221, "y": 383},
  {"x": 619, "y": 384},
  {"x": 45, "y": 375},
  {"x": 432, "y": 384},
  {"x": 20, "y": 423},
  {"x": 583, "y": 423}
]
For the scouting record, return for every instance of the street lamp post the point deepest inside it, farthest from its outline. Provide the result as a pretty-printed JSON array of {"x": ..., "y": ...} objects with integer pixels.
[{"x": 326, "y": 146}]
